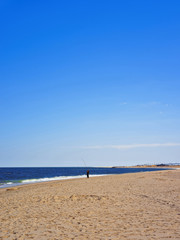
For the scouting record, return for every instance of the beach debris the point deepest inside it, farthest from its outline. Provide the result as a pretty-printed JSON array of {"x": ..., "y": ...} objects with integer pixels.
[{"x": 12, "y": 189}]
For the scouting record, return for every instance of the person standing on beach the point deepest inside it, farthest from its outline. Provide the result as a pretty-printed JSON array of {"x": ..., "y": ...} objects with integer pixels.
[{"x": 87, "y": 173}]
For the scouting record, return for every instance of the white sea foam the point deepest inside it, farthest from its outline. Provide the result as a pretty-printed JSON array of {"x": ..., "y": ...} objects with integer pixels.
[
  {"x": 56, "y": 178},
  {"x": 28, "y": 181},
  {"x": 51, "y": 179}
]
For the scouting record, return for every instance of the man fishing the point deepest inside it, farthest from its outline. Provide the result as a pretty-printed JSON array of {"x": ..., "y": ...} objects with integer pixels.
[{"x": 87, "y": 173}]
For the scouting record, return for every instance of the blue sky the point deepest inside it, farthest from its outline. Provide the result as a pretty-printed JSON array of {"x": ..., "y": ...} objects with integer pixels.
[{"x": 92, "y": 80}]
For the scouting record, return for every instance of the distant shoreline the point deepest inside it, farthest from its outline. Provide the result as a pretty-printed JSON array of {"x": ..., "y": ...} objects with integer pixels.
[{"x": 149, "y": 166}]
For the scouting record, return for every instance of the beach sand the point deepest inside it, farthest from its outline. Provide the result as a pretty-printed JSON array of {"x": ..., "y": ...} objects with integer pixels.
[{"x": 127, "y": 206}]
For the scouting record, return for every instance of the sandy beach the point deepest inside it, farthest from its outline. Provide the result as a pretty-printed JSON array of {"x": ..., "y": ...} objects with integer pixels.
[{"x": 127, "y": 206}]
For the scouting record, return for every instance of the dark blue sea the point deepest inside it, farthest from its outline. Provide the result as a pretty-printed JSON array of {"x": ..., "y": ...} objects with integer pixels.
[{"x": 18, "y": 176}]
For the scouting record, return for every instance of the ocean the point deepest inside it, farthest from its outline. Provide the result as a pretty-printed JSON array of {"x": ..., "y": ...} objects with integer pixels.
[{"x": 25, "y": 175}]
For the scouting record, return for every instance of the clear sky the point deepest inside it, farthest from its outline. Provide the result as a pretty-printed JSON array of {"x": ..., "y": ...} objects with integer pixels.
[{"x": 97, "y": 81}]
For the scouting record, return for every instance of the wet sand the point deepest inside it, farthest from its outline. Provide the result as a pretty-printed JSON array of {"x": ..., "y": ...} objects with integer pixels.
[{"x": 128, "y": 206}]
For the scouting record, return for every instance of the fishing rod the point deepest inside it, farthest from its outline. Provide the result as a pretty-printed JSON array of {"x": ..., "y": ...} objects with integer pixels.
[{"x": 84, "y": 162}]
